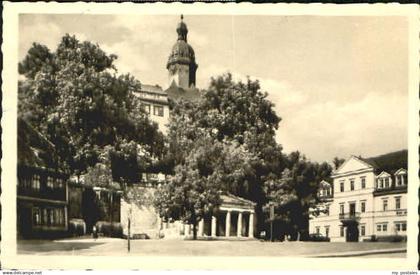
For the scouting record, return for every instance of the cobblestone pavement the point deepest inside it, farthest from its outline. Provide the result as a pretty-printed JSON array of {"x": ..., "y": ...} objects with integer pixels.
[{"x": 108, "y": 246}]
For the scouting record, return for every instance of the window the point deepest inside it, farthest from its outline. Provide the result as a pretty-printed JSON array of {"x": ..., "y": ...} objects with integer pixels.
[
  {"x": 158, "y": 110},
  {"x": 363, "y": 207},
  {"x": 317, "y": 230},
  {"x": 351, "y": 184},
  {"x": 341, "y": 231},
  {"x": 50, "y": 182},
  {"x": 44, "y": 216},
  {"x": 385, "y": 205},
  {"x": 362, "y": 230},
  {"x": 363, "y": 183},
  {"x": 327, "y": 210},
  {"x": 342, "y": 186},
  {"x": 36, "y": 216},
  {"x": 397, "y": 203},
  {"x": 384, "y": 227},
  {"x": 378, "y": 227},
  {"x": 400, "y": 226},
  {"x": 36, "y": 182},
  {"x": 327, "y": 231},
  {"x": 386, "y": 182},
  {"x": 58, "y": 216},
  {"x": 341, "y": 208},
  {"x": 50, "y": 220},
  {"x": 146, "y": 108},
  {"x": 401, "y": 180}
]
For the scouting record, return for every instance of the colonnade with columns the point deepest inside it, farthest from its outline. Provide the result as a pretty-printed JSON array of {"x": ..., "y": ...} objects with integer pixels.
[{"x": 227, "y": 223}]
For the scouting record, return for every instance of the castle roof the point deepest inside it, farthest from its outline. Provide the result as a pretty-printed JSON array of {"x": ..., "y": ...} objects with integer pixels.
[{"x": 182, "y": 52}]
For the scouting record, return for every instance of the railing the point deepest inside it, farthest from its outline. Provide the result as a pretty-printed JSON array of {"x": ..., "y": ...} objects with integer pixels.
[{"x": 349, "y": 216}]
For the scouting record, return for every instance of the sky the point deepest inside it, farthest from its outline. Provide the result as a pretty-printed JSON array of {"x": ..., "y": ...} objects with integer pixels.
[{"x": 339, "y": 83}]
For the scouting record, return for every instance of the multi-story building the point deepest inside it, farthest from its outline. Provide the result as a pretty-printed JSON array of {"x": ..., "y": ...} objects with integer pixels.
[
  {"x": 367, "y": 199},
  {"x": 42, "y": 190}
]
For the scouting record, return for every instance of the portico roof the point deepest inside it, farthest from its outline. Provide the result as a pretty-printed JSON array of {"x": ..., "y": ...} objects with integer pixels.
[{"x": 231, "y": 201}]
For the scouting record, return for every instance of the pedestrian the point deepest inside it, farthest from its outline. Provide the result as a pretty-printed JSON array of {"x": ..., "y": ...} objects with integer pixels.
[{"x": 94, "y": 233}]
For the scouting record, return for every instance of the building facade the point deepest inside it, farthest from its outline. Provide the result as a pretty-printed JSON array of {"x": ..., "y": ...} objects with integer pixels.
[
  {"x": 42, "y": 189},
  {"x": 366, "y": 200}
]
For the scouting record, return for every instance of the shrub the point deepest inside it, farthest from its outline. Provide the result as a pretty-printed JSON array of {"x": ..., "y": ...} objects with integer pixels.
[
  {"x": 77, "y": 227},
  {"x": 392, "y": 238},
  {"x": 109, "y": 229},
  {"x": 116, "y": 230}
]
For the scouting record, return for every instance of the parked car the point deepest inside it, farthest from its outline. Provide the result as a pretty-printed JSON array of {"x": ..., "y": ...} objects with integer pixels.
[{"x": 317, "y": 237}]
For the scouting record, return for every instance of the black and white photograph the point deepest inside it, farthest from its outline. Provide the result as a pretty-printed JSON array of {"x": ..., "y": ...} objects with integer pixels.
[{"x": 186, "y": 134}]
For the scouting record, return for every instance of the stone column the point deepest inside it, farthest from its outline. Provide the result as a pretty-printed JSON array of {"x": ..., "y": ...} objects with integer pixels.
[
  {"x": 239, "y": 231},
  {"x": 159, "y": 223},
  {"x": 200, "y": 228},
  {"x": 186, "y": 229},
  {"x": 227, "y": 229},
  {"x": 213, "y": 226},
  {"x": 251, "y": 225}
]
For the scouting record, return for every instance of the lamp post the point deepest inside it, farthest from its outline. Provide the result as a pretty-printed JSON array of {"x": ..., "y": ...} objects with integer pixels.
[
  {"x": 128, "y": 229},
  {"x": 271, "y": 221}
]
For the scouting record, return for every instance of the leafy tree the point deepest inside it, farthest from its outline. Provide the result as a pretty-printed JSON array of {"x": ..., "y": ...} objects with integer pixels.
[
  {"x": 337, "y": 162},
  {"x": 230, "y": 111},
  {"x": 76, "y": 99},
  {"x": 294, "y": 193},
  {"x": 211, "y": 168}
]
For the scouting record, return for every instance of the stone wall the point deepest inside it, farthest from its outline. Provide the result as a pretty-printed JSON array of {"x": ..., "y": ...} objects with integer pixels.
[{"x": 144, "y": 219}]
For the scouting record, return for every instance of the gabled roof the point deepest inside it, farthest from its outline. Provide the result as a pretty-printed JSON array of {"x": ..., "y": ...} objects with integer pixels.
[
  {"x": 325, "y": 183},
  {"x": 357, "y": 163},
  {"x": 384, "y": 174},
  {"x": 400, "y": 171},
  {"x": 34, "y": 149},
  {"x": 390, "y": 162},
  {"x": 231, "y": 200}
]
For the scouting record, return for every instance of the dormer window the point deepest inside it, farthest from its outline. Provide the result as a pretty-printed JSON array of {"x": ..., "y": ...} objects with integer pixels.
[
  {"x": 384, "y": 181},
  {"x": 401, "y": 177},
  {"x": 325, "y": 189}
]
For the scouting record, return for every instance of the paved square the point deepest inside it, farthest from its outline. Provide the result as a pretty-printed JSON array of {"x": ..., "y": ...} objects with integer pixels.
[{"x": 109, "y": 247}]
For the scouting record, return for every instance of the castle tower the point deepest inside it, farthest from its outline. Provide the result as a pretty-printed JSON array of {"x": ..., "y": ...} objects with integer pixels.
[{"x": 181, "y": 62}]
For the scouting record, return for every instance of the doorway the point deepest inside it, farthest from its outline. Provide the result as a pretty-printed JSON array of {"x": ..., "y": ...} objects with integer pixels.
[{"x": 352, "y": 233}]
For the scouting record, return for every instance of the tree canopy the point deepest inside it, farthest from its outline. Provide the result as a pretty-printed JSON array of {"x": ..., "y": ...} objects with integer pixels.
[{"x": 75, "y": 97}]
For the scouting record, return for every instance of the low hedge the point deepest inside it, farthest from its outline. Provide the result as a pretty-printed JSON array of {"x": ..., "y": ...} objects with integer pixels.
[
  {"x": 77, "y": 227},
  {"x": 389, "y": 238},
  {"x": 109, "y": 229}
]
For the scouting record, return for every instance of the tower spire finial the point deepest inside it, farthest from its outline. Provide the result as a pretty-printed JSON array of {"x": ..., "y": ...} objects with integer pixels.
[{"x": 182, "y": 30}]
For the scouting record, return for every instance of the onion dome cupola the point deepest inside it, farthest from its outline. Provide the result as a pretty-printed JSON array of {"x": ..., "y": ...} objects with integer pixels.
[{"x": 181, "y": 62}]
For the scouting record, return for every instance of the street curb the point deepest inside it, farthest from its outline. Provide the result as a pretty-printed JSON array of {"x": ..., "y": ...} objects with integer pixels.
[{"x": 359, "y": 253}]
